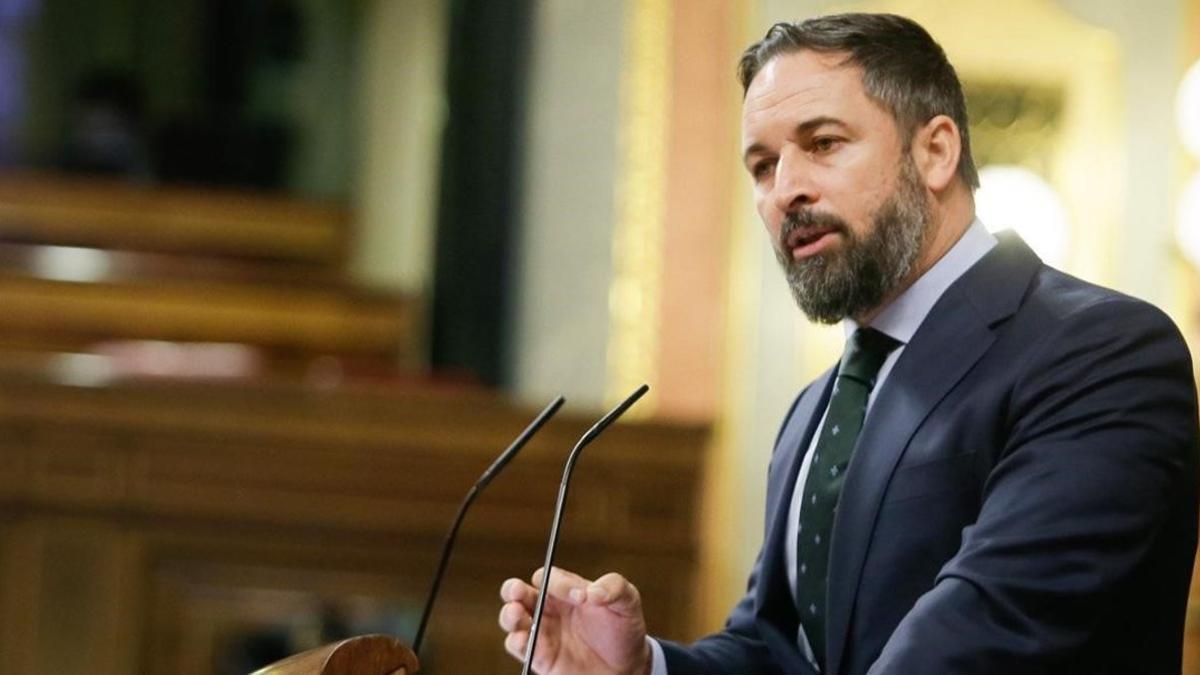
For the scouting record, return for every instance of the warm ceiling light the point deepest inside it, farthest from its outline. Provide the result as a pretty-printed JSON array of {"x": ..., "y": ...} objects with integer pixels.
[
  {"x": 1187, "y": 109},
  {"x": 1187, "y": 227},
  {"x": 1013, "y": 197}
]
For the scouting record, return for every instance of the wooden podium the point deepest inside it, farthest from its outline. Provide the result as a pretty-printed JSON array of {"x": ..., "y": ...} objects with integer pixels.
[{"x": 362, "y": 655}]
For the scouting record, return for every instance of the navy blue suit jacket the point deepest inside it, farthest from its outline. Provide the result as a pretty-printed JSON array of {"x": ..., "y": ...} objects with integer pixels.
[{"x": 1022, "y": 499}]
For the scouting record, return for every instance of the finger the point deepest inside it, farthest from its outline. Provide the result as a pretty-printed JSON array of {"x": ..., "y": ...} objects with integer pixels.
[
  {"x": 515, "y": 590},
  {"x": 615, "y": 592},
  {"x": 564, "y": 585},
  {"x": 514, "y": 617},
  {"x": 515, "y": 644}
]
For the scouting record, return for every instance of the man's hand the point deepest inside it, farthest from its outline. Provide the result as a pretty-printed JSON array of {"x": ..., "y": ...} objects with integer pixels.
[{"x": 587, "y": 626}]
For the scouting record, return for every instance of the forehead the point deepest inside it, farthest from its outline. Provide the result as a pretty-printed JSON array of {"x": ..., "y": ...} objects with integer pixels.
[{"x": 804, "y": 84}]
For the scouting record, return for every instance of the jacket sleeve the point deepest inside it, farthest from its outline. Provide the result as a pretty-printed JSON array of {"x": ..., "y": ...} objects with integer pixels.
[
  {"x": 736, "y": 649},
  {"x": 1098, "y": 471}
]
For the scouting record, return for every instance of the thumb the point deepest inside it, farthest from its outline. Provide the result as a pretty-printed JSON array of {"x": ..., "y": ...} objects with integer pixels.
[{"x": 616, "y": 593}]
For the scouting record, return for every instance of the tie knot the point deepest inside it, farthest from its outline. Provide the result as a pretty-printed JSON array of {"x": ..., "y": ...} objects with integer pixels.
[{"x": 866, "y": 351}]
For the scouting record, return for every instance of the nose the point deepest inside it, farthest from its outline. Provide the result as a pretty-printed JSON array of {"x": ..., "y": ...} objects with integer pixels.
[{"x": 794, "y": 188}]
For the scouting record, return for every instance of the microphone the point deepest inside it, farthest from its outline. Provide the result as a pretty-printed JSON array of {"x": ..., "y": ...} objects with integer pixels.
[
  {"x": 491, "y": 472},
  {"x": 560, "y": 506}
]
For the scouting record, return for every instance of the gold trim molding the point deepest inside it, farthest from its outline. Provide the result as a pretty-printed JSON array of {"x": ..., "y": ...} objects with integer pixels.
[{"x": 634, "y": 291}]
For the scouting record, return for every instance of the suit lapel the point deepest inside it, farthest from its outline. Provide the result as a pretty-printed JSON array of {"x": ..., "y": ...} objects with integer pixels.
[{"x": 957, "y": 332}]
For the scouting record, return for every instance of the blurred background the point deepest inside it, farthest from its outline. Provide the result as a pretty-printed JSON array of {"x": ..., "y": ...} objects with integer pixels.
[{"x": 278, "y": 278}]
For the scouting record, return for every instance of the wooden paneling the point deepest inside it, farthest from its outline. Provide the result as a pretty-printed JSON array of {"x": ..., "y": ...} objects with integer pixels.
[
  {"x": 182, "y": 516},
  {"x": 19, "y": 585}
]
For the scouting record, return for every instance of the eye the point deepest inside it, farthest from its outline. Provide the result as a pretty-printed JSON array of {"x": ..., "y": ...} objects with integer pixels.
[
  {"x": 762, "y": 169},
  {"x": 825, "y": 144}
]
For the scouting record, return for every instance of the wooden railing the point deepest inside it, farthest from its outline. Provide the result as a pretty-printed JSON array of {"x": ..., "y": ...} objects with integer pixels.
[
  {"x": 113, "y": 214},
  {"x": 86, "y": 261}
]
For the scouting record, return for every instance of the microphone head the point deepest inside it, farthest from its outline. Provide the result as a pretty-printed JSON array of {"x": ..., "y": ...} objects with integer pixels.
[{"x": 614, "y": 414}]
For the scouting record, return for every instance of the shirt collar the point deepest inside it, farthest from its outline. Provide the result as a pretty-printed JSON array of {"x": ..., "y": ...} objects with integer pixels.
[{"x": 904, "y": 315}]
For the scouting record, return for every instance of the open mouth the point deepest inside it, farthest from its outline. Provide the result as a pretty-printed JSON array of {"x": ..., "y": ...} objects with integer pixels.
[{"x": 810, "y": 241}]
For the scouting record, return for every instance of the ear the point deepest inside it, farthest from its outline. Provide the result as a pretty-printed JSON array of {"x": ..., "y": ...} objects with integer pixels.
[{"x": 936, "y": 147}]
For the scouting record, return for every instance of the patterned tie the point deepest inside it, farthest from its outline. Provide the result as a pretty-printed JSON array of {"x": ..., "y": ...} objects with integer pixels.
[{"x": 865, "y": 353}]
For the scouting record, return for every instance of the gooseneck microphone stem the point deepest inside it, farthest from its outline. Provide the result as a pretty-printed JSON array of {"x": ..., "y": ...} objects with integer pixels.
[
  {"x": 491, "y": 472},
  {"x": 560, "y": 506}
]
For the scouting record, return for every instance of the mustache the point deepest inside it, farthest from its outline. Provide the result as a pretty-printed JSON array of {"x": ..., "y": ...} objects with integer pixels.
[{"x": 802, "y": 223}]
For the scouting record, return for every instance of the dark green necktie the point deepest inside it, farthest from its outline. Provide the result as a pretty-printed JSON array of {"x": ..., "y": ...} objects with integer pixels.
[{"x": 865, "y": 353}]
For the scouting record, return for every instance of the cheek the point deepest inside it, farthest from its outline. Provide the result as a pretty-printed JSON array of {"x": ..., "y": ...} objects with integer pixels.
[
  {"x": 771, "y": 218},
  {"x": 858, "y": 201}
]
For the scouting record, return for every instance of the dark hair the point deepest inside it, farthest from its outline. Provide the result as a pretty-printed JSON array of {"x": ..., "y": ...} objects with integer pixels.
[{"x": 904, "y": 69}]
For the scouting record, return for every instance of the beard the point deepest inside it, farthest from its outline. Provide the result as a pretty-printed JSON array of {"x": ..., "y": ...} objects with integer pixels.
[{"x": 833, "y": 285}]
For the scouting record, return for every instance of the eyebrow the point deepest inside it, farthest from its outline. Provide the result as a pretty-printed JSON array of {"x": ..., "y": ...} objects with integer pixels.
[{"x": 801, "y": 129}]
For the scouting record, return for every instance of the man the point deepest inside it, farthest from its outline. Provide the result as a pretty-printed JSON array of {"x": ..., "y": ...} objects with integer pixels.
[{"x": 1000, "y": 476}]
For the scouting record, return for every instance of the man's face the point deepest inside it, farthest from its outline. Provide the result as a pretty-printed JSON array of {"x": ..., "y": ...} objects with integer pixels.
[{"x": 840, "y": 196}]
